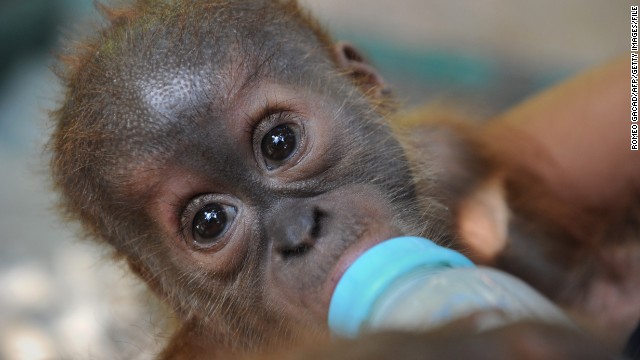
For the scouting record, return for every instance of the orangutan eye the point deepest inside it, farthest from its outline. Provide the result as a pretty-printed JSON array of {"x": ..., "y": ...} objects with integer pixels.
[
  {"x": 210, "y": 223},
  {"x": 279, "y": 144}
]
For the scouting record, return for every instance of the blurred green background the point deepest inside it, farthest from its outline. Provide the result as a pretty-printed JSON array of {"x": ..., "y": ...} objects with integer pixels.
[{"x": 63, "y": 298}]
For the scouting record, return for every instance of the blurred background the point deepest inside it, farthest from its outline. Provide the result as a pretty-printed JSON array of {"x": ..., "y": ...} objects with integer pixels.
[{"x": 62, "y": 298}]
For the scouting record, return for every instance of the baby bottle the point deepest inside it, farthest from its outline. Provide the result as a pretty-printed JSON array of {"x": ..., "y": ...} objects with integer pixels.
[{"x": 410, "y": 283}]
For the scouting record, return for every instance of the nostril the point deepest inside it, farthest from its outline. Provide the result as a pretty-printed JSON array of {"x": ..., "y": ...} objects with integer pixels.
[
  {"x": 318, "y": 215},
  {"x": 296, "y": 251},
  {"x": 301, "y": 238}
]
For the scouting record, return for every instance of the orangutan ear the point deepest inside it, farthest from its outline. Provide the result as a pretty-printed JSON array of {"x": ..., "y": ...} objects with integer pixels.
[
  {"x": 353, "y": 63},
  {"x": 483, "y": 220}
]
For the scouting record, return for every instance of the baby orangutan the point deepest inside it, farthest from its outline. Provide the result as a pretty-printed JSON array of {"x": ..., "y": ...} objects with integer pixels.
[{"x": 239, "y": 160}]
